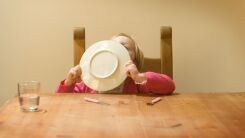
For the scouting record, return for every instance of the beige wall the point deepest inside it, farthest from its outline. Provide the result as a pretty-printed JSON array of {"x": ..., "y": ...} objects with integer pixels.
[{"x": 208, "y": 38}]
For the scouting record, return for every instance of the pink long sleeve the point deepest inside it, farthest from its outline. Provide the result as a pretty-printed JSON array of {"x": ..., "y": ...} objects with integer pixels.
[
  {"x": 157, "y": 83},
  {"x": 77, "y": 87}
]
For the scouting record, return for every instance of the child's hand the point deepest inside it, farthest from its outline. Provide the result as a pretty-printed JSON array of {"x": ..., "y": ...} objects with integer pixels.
[
  {"x": 133, "y": 72},
  {"x": 73, "y": 76}
]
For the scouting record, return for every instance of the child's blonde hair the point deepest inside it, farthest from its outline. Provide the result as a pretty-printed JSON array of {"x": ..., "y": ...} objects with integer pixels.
[{"x": 139, "y": 56}]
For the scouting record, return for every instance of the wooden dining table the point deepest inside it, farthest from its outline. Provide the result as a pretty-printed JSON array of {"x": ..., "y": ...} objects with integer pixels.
[{"x": 68, "y": 115}]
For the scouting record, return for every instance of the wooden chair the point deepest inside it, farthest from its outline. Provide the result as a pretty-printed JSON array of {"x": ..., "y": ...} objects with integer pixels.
[
  {"x": 164, "y": 64},
  {"x": 78, "y": 44}
]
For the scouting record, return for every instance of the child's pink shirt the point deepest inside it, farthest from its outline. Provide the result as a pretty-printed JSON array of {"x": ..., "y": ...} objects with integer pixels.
[{"x": 156, "y": 83}]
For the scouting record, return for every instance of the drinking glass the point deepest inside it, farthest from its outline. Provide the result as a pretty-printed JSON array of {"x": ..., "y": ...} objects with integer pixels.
[{"x": 28, "y": 94}]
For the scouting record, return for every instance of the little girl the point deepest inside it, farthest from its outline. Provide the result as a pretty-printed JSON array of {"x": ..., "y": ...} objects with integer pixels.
[{"x": 136, "y": 82}]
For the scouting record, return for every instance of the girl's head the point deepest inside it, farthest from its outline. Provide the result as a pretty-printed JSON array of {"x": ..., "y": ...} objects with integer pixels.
[{"x": 135, "y": 53}]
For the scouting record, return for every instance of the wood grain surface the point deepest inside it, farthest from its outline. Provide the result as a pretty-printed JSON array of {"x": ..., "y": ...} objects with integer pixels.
[{"x": 205, "y": 115}]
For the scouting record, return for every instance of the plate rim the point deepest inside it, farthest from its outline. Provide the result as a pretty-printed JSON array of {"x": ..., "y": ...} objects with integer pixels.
[{"x": 96, "y": 83}]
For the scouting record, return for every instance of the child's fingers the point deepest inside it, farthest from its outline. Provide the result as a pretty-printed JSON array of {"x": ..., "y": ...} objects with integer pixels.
[
  {"x": 128, "y": 71},
  {"x": 130, "y": 62},
  {"x": 78, "y": 70},
  {"x": 73, "y": 74},
  {"x": 78, "y": 79}
]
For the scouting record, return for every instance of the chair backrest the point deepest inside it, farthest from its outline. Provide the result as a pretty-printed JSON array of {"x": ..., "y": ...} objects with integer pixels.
[
  {"x": 164, "y": 64},
  {"x": 78, "y": 44}
]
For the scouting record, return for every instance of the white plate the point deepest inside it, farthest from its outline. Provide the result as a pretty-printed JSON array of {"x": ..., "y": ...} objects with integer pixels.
[{"x": 102, "y": 65}]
